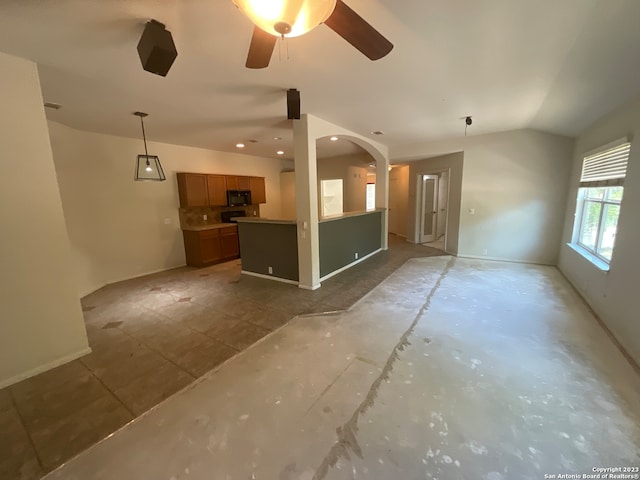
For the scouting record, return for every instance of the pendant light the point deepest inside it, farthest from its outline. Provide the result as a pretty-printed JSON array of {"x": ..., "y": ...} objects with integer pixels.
[
  {"x": 286, "y": 18},
  {"x": 148, "y": 167}
]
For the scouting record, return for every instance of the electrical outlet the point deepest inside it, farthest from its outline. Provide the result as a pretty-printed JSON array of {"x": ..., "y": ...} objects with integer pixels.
[
  {"x": 204, "y": 217},
  {"x": 167, "y": 221},
  {"x": 270, "y": 270},
  {"x": 484, "y": 251},
  {"x": 472, "y": 211},
  {"x": 356, "y": 255}
]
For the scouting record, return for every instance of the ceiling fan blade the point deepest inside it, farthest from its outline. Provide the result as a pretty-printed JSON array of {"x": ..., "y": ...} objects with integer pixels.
[
  {"x": 355, "y": 30},
  {"x": 261, "y": 49}
]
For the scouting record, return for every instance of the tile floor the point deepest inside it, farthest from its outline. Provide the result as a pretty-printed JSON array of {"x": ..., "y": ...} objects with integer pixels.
[{"x": 151, "y": 337}]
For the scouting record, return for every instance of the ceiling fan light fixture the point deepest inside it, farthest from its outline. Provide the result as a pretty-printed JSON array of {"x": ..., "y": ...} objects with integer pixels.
[{"x": 286, "y": 18}]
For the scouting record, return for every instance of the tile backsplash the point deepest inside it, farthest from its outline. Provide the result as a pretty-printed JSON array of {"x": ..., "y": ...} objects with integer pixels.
[{"x": 191, "y": 217}]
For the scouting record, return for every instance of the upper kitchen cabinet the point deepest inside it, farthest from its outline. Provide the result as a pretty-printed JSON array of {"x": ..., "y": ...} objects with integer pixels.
[
  {"x": 232, "y": 182},
  {"x": 210, "y": 190},
  {"x": 237, "y": 182},
  {"x": 217, "y": 187},
  {"x": 193, "y": 190},
  {"x": 202, "y": 190},
  {"x": 258, "y": 191},
  {"x": 244, "y": 183}
]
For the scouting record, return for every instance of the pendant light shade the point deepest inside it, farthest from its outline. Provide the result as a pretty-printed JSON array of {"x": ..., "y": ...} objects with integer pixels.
[
  {"x": 148, "y": 167},
  {"x": 286, "y": 18}
]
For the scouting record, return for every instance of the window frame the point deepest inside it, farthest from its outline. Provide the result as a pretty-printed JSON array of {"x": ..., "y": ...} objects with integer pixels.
[
  {"x": 605, "y": 168},
  {"x": 582, "y": 207}
]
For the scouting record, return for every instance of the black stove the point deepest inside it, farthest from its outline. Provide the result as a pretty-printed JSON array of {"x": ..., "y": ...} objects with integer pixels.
[{"x": 227, "y": 217}]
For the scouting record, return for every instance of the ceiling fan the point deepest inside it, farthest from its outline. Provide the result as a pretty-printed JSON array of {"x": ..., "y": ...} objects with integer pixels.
[{"x": 291, "y": 18}]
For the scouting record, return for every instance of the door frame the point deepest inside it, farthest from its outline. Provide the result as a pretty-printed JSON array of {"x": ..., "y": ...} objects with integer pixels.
[
  {"x": 418, "y": 217},
  {"x": 425, "y": 177}
]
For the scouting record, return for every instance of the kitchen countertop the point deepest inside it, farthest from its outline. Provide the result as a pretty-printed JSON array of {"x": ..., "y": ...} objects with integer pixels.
[
  {"x": 349, "y": 214},
  {"x": 199, "y": 228},
  {"x": 279, "y": 221}
]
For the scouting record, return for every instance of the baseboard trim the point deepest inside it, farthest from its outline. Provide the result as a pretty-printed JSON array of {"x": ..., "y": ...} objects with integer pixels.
[
  {"x": 269, "y": 277},
  {"x": 348, "y": 266},
  {"x": 625, "y": 353},
  {"x": 43, "y": 368}
]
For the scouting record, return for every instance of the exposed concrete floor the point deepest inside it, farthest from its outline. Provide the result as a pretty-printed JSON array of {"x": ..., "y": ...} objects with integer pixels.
[
  {"x": 151, "y": 337},
  {"x": 450, "y": 369}
]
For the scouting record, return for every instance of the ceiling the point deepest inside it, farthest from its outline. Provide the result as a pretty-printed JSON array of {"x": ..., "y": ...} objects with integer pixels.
[{"x": 545, "y": 64}]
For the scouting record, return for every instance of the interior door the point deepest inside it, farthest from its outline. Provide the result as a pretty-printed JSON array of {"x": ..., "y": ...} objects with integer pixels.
[{"x": 429, "y": 215}]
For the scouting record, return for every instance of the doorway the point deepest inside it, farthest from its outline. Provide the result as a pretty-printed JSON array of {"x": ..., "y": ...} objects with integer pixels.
[
  {"x": 433, "y": 208},
  {"x": 429, "y": 210}
]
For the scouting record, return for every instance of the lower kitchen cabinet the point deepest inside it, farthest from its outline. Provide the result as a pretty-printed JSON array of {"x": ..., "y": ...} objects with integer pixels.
[
  {"x": 229, "y": 245},
  {"x": 213, "y": 245}
]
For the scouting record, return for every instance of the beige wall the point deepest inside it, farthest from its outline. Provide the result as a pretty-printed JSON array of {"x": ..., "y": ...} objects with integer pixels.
[
  {"x": 399, "y": 200},
  {"x": 352, "y": 169},
  {"x": 41, "y": 324},
  {"x": 451, "y": 163},
  {"x": 516, "y": 184},
  {"x": 288, "y": 195},
  {"x": 613, "y": 295},
  {"x": 120, "y": 228}
]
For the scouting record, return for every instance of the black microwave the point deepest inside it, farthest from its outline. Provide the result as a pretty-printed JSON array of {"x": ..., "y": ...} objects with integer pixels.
[{"x": 238, "y": 197}]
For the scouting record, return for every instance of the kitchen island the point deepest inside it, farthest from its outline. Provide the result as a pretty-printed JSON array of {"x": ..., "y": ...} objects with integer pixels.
[{"x": 269, "y": 247}]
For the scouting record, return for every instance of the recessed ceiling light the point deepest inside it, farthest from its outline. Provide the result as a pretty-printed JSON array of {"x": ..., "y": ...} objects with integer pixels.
[
  {"x": 377, "y": 132},
  {"x": 280, "y": 152},
  {"x": 277, "y": 138},
  {"x": 334, "y": 139},
  {"x": 239, "y": 145}
]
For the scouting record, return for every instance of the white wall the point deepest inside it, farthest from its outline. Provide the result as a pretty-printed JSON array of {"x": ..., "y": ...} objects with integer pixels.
[
  {"x": 41, "y": 324},
  {"x": 117, "y": 226},
  {"x": 516, "y": 183},
  {"x": 614, "y": 294}
]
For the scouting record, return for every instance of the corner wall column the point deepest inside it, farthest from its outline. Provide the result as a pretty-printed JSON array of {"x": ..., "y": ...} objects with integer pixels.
[
  {"x": 382, "y": 197},
  {"x": 41, "y": 323},
  {"x": 306, "y": 204}
]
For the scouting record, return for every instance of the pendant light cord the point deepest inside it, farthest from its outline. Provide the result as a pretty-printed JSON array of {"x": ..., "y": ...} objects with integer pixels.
[{"x": 144, "y": 138}]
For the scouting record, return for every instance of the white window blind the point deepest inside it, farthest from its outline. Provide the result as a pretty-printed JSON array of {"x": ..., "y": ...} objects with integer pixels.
[{"x": 606, "y": 168}]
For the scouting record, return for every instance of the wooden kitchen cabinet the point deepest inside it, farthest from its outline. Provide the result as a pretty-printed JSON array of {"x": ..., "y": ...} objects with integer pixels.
[
  {"x": 202, "y": 190},
  {"x": 229, "y": 245},
  {"x": 213, "y": 245},
  {"x": 210, "y": 190},
  {"x": 238, "y": 182},
  {"x": 192, "y": 189},
  {"x": 217, "y": 189},
  {"x": 232, "y": 182},
  {"x": 258, "y": 191},
  {"x": 244, "y": 183},
  {"x": 202, "y": 248}
]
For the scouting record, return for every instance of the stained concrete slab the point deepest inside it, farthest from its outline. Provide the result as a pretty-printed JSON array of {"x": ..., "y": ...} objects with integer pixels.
[{"x": 450, "y": 369}]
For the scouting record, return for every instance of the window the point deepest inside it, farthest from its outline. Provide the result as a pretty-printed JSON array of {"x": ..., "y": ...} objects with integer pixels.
[
  {"x": 599, "y": 200},
  {"x": 371, "y": 196}
]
